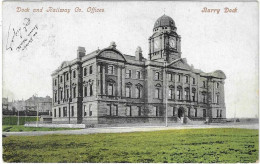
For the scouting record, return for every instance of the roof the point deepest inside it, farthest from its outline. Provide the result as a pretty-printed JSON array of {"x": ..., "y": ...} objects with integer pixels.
[{"x": 164, "y": 21}]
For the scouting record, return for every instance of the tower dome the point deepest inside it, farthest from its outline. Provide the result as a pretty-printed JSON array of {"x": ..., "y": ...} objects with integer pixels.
[{"x": 164, "y": 21}]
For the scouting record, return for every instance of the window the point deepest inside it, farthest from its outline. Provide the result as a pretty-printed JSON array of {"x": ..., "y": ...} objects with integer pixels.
[
  {"x": 84, "y": 110},
  {"x": 110, "y": 89},
  {"x": 173, "y": 111},
  {"x": 90, "y": 90},
  {"x": 67, "y": 76},
  {"x": 204, "y": 84},
  {"x": 116, "y": 110},
  {"x": 157, "y": 76},
  {"x": 188, "y": 112},
  {"x": 55, "y": 82},
  {"x": 110, "y": 69},
  {"x": 74, "y": 74},
  {"x": 90, "y": 70},
  {"x": 109, "y": 109},
  {"x": 128, "y": 91},
  {"x": 128, "y": 110},
  {"x": 195, "y": 111},
  {"x": 72, "y": 111},
  {"x": 54, "y": 112},
  {"x": 217, "y": 113},
  {"x": 204, "y": 113},
  {"x": 85, "y": 90},
  {"x": 138, "y": 92},
  {"x": 138, "y": 74},
  {"x": 157, "y": 93},
  {"x": 179, "y": 78},
  {"x": 59, "y": 112},
  {"x": 204, "y": 98},
  {"x": 187, "y": 79},
  {"x": 217, "y": 85},
  {"x": 156, "y": 108},
  {"x": 179, "y": 94},
  {"x": 169, "y": 77},
  {"x": 128, "y": 73},
  {"x": 193, "y": 96},
  {"x": 193, "y": 81},
  {"x": 68, "y": 94},
  {"x": 61, "y": 95},
  {"x": 220, "y": 115},
  {"x": 139, "y": 110},
  {"x": 74, "y": 92},
  {"x": 217, "y": 99},
  {"x": 55, "y": 97},
  {"x": 90, "y": 109},
  {"x": 186, "y": 95},
  {"x": 171, "y": 95},
  {"x": 64, "y": 111},
  {"x": 85, "y": 71}
]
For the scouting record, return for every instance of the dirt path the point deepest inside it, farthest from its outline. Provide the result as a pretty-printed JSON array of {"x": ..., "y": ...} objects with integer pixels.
[{"x": 130, "y": 129}]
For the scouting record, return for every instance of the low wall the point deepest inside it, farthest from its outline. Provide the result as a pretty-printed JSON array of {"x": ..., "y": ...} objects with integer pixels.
[
  {"x": 81, "y": 126},
  {"x": 135, "y": 120}
]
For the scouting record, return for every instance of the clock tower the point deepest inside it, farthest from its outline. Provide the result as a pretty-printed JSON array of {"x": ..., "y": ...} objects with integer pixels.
[{"x": 165, "y": 43}]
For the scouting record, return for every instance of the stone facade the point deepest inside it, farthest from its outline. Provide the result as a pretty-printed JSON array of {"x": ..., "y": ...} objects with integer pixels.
[{"x": 109, "y": 87}]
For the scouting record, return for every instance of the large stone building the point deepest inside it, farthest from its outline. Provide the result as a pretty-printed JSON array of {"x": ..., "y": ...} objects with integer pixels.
[{"x": 107, "y": 86}]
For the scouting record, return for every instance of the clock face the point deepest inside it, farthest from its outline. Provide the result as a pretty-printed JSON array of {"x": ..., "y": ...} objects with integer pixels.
[
  {"x": 172, "y": 43},
  {"x": 156, "y": 44}
]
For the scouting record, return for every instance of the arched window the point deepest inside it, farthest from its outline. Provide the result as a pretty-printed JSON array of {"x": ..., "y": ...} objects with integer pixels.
[
  {"x": 157, "y": 93},
  {"x": 128, "y": 91},
  {"x": 138, "y": 92}
]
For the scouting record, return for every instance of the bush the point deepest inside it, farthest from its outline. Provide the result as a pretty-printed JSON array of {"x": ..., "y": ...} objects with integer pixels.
[{"x": 12, "y": 120}]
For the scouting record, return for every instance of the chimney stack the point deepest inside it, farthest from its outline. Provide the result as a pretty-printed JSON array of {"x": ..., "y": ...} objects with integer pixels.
[
  {"x": 81, "y": 52},
  {"x": 138, "y": 54}
]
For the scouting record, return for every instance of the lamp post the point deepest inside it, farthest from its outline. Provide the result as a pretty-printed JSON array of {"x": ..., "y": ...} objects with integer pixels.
[{"x": 166, "y": 97}]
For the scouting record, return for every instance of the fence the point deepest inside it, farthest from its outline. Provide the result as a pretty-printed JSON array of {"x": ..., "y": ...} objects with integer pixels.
[{"x": 13, "y": 120}]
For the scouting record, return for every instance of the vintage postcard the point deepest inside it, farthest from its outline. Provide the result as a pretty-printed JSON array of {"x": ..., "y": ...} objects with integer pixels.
[{"x": 130, "y": 82}]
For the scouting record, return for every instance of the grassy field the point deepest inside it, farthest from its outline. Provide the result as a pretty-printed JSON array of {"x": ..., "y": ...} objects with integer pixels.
[
  {"x": 12, "y": 120},
  {"x": 177, "y": 146},
  {"x": 21, "y": 128}
]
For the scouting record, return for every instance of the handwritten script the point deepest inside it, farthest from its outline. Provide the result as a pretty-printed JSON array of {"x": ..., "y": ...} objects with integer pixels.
[{"x": 20, "y": 38}]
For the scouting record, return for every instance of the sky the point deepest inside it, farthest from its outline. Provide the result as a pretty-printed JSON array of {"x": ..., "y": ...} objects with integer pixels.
[{"x": 210, "y": 41}]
